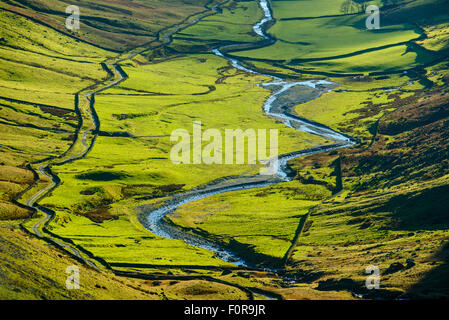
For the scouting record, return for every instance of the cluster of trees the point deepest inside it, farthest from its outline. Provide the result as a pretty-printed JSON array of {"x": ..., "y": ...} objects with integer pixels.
[{"x": 351, "y": 6}]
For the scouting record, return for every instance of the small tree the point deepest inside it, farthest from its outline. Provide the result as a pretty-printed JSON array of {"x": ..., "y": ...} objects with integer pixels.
[{"x": 350, "y": 6}]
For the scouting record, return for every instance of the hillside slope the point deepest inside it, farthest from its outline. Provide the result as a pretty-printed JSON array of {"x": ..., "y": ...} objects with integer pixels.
[{"x": 382, "y": 202}]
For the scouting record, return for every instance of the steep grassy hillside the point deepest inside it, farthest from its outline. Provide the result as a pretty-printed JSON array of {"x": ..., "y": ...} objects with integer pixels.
[
  {"x": 382, "y": 202},
  {"x": 393, "y": 210},
  {"x": 41, "y": 72},
  {"x": 32, "y": 270},
  {"x": 114, "y": 25}
]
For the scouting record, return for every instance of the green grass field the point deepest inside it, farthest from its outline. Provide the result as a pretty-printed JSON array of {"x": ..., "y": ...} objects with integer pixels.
[
  {"x": 305, "y": 8},
  {"x": 327, "y": 37},
  {"x": 353, "y": 108},
  {"x": 142, "y": 163},
  {"x": 380, "y": 202},
  {"x": 233, "y": 24},
  {"x": 251, "y": 219},
  {"x": 341, "y": 44}
]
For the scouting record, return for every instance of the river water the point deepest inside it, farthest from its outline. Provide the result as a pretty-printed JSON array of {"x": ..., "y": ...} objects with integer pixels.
[{"x": 154, "y": 217}]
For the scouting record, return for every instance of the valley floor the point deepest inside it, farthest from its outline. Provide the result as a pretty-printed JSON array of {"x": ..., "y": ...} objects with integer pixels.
[{"x": 78, "y": 180}]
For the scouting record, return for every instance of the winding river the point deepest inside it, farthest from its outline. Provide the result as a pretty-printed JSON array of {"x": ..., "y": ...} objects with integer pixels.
[{"x": 153, "y": 218}]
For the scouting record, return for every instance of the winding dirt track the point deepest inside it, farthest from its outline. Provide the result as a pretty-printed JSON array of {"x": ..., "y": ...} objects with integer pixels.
[
  {"x": 86, "y": 142},
  {"x": 86, "y": 137},
  {"x": 89, "y": 128}
]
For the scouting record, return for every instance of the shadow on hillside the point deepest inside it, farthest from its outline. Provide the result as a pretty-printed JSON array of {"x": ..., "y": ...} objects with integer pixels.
[
  {"x": 425, "y": 210},
  {"x": 101, "y": 176},
  {"x": 435, "y": 284}
]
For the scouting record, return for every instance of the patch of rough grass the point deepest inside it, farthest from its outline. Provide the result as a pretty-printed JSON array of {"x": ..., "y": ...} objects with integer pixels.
[
  {"x": 204, "y": 290},
  {"x": 31, "y": 269}
]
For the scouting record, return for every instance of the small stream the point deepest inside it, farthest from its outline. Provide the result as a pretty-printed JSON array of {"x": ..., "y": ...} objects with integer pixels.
[{"x": 154, "y": 218}]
